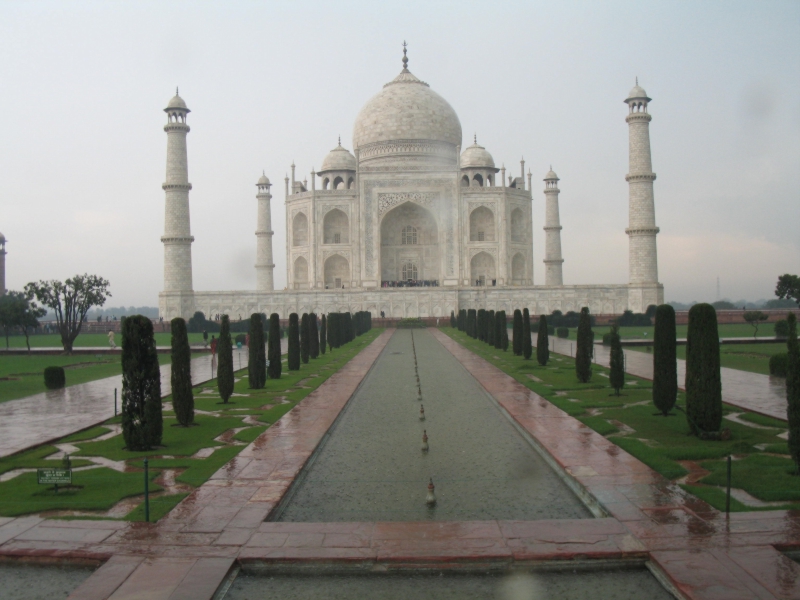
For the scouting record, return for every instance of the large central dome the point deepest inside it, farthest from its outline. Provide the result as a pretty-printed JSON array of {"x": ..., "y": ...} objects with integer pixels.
[{"x": 406, "y": 109}]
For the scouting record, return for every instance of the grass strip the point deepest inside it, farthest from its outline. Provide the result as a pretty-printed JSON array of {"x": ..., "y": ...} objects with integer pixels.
[{"x": 159, "y": 506}]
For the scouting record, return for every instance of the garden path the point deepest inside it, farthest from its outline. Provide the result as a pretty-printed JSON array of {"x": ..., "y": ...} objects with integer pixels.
[{"x": 42, "y": 418}]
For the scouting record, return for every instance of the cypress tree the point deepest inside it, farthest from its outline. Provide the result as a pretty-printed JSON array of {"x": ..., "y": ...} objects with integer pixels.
[
  {"x": 526, "y": 334},
  {"x": 703, "y": 384},
  {"x": 542, "y": 342},
  {"x": 294, "y": 343},
  {"x": 181, "y": 379},
  {"x": 142, "y": 422},
  {"x": 323, "y": 334},
  {"x": 616, "y": 362},
  {"x": 256, "y": 365},
  {"x": 462, "y": 315},
  {"x": 305, "y": 334},
  {"x": 472, "y": 323},
  {"x": 274, "y": 356},
  {"x": 584, "y": 350},
  {"x": 313, "y": 336},
  {"x": 517, "y": 347},
  {"x": 499, "y": 321},
  {"x": 225, "y": 353},
  {"x": 452, "y": 319},
  {"x": 793, "y": 390},
  {"x": 504, "y": 343},
  {"x": 480, "y": 316},
  {"x": 665, "y": 364},
  {"x": 490, "y": 327}
]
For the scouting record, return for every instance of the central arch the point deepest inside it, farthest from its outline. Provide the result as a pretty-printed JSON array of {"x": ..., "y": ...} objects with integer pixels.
[
  {"x": 337, "y": 272},
  {"x": 409, "y": 235}
]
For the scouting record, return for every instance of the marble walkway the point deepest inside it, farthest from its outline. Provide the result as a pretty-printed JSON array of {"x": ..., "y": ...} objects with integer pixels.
[
  {"x": 750, "y": 391},
  {"x": 42, "y": 418}
]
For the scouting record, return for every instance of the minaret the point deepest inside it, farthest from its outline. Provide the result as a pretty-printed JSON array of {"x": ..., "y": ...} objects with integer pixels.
[
  {"x": 177, "y": 237},
  {"x": 552, "y": 230},
  {"x": 2, "y": 264},
  {"x": 264, "y": 264},
  {"x": 642, "y": 230}
]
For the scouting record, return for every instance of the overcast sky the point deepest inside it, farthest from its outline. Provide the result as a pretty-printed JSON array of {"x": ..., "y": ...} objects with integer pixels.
[{"x": 82, "y": 147}]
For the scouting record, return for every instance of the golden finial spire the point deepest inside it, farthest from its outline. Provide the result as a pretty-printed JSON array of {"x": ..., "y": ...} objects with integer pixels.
[{"x": 405, "y": 56}]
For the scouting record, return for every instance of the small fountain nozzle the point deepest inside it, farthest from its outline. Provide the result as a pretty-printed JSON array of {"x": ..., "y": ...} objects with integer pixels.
[
  {"x": 430, "y": 499},
  {"x": 421, "y": 412},
  {"x": 424, "y": 440}
]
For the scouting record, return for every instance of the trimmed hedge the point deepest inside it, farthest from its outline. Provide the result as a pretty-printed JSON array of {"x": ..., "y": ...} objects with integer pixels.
[
  {"x": 779, "y": 364},
  {"x": 703, "y": 382},
  {"x": 54, "y": 378},
  {"x": 562, "y": 332}
]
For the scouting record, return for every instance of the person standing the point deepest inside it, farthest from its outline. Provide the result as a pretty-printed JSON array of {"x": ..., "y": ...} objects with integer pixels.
[
  {"x": 213, "y": 346},
  {"x": 111, "y": 339},
  {"x": 205, "y": 338}
]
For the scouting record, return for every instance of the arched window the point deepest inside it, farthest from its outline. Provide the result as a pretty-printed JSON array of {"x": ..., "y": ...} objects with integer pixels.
[
  {"x": 350, "y": 183},
  {"x": 409, "y": 236},
  {"x": 325, "y": 183},
  {"x": 517, "y": 226},
  {"x": 478, "y": 179},
  {"x": 465, "y": 181},
  {"x": 409, "y": 272},
  {"x": 338, "y": 183}
]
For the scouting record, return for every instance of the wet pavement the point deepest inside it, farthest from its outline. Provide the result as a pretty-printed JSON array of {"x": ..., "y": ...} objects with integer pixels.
[
  {"x": 45, "y": 417},
  {"x": 751, "y": 391},
  {"x": 372, "y": 468},
  {"x": 190, "y": 552}
]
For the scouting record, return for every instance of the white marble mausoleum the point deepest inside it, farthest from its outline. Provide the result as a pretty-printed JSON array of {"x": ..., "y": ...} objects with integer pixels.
[{"x": 410, "y": 223}]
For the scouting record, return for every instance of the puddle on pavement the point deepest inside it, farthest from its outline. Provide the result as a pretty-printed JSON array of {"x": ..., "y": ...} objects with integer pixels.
[
  {"x": 627, "y": 584},
  {"x": 24, "y": 581}
]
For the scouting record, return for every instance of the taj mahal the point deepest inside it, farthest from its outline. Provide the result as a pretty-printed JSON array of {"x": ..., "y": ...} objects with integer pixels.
[{"x": 410, "y": 225}]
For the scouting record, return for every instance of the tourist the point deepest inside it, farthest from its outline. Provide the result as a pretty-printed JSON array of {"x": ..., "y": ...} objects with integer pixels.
[
  {"x": 205, "y": 338},
  {"x": 111, "y": 339},
  {"x": 213, "y": 346}
]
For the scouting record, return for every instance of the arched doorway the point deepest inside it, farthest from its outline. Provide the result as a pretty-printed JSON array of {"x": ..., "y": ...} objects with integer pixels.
[
  {"x": 481, "y": 225},
  {"x": 337, "y": 272},
  {"x": 482, "y": 269},
  {"x": 300, "y": 273},
  {"x": 409, "y": 236},
  {"x": 300, "y": 230}
]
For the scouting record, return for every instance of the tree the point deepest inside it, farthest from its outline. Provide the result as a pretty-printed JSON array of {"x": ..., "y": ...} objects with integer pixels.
[
  {"x": 788, "y": 287},
  {"x": 793, "y": 391},
  {"x": 505, "y": 332},
  {"x": 527, "y": 349},
  {"x": 724, "y": 305},
  {"x": 517, "y": 342},
  {"x": 665, "y": 364},
  {"x": 491, "y": 328},
  {"x": 499, "y": 323},
  {"x": 755, "y": 317},
  {"x": 257, "y": 360},
  {"x": 142, "y": 421},
  {"x": 584, "y": 350},
  {"x": 294, "y": 343},
  {"x": 472, "y": 323},
  {"x": 313, "y": 335},
  {"x": 617, "y": 362},
  {"x": 274, "y": 354},
  {"x": 70, "y": 301},
  {"x": 323, "y": 334},
  {"x": 703, "y": 384},
  {"x": 225, "y": 354},
  {"x": 305, "y": 334},
  {"x": 18, "y": 309},
  {"x": 182, "y": 397},
  {"x": 452, "y": 319},
  {"x": 542, "y": 342}
]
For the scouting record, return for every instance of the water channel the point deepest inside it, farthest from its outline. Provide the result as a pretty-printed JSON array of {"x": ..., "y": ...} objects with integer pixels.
[{"x": 372, "y": 468}]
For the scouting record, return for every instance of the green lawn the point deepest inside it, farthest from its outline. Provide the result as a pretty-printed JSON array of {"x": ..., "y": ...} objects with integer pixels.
[
  {"x": 23, "y": 375},
  {"x": 762, "y": 467},
  {"x": 84, "y": 340},
  {"x": 638, "y": 333},
  {"x": 102, "y": 488}
]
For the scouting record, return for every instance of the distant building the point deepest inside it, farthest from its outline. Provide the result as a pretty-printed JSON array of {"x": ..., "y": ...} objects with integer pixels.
[{"x": 409, "y": 224}]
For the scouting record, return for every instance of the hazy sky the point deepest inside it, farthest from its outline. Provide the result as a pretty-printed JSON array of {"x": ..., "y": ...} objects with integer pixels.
[{"x": 82, "y": 147}]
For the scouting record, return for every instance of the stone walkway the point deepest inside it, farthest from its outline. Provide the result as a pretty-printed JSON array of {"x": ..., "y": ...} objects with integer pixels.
[
  {"x": 42, "y": 418},
  {"x": 189, "y": 553},
  {"x": 751, "y": 391}
]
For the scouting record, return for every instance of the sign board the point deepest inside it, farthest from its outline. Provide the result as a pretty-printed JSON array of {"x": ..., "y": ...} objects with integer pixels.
[{"x": 54, "y": 476}]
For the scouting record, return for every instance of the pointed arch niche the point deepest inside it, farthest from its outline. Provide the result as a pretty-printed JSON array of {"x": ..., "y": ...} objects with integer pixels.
[
  {"x": 300, "y": 230},
  {"x": 482, "y": 269},
  {"x": 337, "y": 272},
  {"x": 336, "y": 227},
  {"x": 300, "y": 273}
]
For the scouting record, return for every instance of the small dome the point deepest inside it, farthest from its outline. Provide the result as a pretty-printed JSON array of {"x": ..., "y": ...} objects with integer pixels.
[
  {"x": 476, "y": 157},
  {"x": 338, "y": 159},
  {"x": 551, "y": 175},
  {"x": 177, "y": 102},
  {"x": 637, "y": 93},
  {"x": 263, "y": 180},
  {"x": 406, "y": 109}
]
